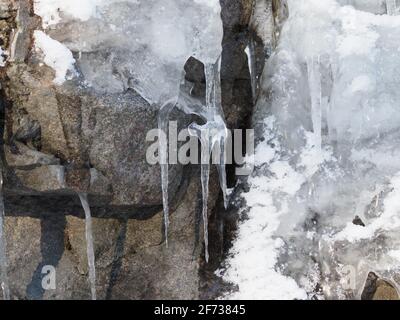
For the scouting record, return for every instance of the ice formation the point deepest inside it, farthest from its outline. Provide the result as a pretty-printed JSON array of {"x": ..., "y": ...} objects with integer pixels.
[
  {"x": 323, "y": 205},
  {"x": 3, "y": 257},
  {"x": 89, "y": 243},
  {"x": 144, "y": 45}
]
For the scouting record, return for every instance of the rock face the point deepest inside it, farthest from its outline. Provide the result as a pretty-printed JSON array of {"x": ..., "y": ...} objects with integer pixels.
[
  {"x": 61, "y": 139},
  {"x": 132, "y": 261},
  {"x": 378, "y": 289}
]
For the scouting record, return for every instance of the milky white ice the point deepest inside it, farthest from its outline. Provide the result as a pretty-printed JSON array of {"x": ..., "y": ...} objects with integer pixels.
[
  {"x": 55, "y": 55},
  {"x": 149, "y": 41},
  {"x": 325, "y": 197},
  {"x": 52, "y": 11}
]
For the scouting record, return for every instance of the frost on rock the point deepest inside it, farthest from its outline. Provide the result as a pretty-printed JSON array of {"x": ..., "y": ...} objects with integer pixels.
[{"x": 323, "y": 206}]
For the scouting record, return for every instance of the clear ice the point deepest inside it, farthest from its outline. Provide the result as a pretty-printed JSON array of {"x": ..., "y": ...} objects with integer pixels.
[
  {"x": 3, "y": 256},
  {"x": 393, "y": 7},
  {"x": 89, "y": 244},
  {"x": 144, "y": 45},
  {"x": 323, "y": 206},
  {"x": 213, "y": 136}
]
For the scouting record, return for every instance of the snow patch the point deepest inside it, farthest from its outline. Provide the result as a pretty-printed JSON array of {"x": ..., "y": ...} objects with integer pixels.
[
  {"x": 51, "y": 10},
  {"x": 55, "y": 55}
]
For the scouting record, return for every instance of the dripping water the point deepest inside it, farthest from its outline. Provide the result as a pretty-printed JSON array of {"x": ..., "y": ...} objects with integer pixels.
[
  {"x": 89, "y": 243},
  {"x": 3, "y": 257}
]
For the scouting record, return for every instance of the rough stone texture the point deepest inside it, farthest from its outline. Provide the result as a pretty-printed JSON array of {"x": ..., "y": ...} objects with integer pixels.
[
  {"x": 379, "y": 289},
  {"x": 385, "y": 291},
  {"x": 59, "y": 140},
  {"x": 132, "y": 261}
]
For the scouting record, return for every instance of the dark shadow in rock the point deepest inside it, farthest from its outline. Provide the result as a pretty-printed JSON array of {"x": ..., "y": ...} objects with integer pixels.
[
  {"x": 52, "y": 249},
  {"x": 117, "y": 261}
]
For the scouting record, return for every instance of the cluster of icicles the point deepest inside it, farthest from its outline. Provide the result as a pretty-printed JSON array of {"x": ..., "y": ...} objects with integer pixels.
[{"x": 212, "y": 134}]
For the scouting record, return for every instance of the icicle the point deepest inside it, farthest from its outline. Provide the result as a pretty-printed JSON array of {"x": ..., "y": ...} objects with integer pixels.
[
  {"x": 314, "y": 80},
  {"x": 163, "y": 121},
  {"x": 3, "y": 257},
  {"x": 251, "y": 58},
  {"x": 213, "y": 132},
  {"x": 220, "y": 136},
  {"x": 391, "y": 7},
  {"x": 205, "y": 177},
  {"x": 89, "y": 243},
  {"x": 222, "y": 172}
]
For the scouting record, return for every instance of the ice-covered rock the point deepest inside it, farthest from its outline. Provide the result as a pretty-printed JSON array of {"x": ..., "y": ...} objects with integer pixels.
[
  {"x": 139, "y": 44},
  {"x": 328, "y": 129}
]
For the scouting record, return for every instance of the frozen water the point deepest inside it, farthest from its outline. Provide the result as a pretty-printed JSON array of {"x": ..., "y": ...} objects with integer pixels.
[
  {"x": 250, "y": 52},
  {"x": 89, "y": 244},
  {"x": 373, "y": 6},
  {"x": 3, "y": 256},
  {"x": 390, "y": 7},
  {"x": 143, "y": 45},
  {"x": 213, "y": 136},
  {"x": 139, "y": 44},
  {"x": 393, "y": 7},
  {"x": 314, "y": 82},
  {"x": 163, "y": 123},
  {"x": 329, "y": 122}
]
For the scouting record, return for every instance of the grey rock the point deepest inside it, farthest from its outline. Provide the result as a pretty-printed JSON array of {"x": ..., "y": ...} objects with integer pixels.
[
  {"x": 132, "y": 261},
  {"x": 20, "y": 155}
]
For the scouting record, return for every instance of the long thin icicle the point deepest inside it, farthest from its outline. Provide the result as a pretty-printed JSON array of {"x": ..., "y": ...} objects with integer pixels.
[
  {"x": 212, "y": 133},
  {"x": 314, "y": 80},
  {"x": 163, "y": 121},
  {"x": 89, "y": 243},
  {"x": 391, "y": 7},
  {"x": 205, "y": 178},
  {"x": 3, "y": 256},
  {"x": 251, "y": 58}
]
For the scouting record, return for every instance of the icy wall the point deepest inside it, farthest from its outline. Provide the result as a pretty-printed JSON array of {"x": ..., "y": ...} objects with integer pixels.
[
  {"x": 323, "y": 204},
  {"x": 142, "y": 45}
]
